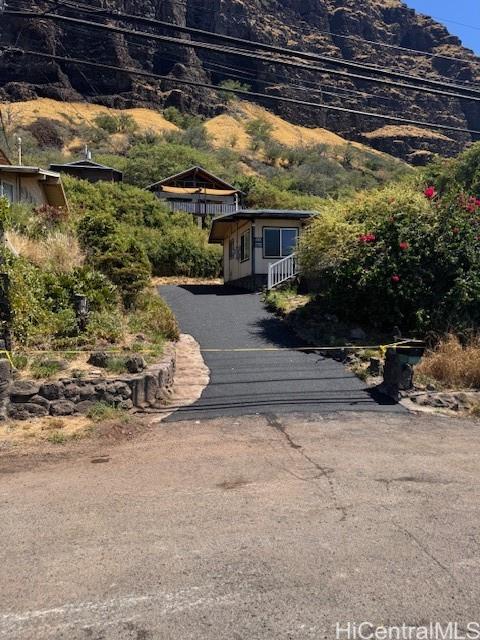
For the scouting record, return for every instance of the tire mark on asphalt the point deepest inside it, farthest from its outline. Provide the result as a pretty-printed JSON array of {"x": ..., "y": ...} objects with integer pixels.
[{"x": 324, "y": 472}]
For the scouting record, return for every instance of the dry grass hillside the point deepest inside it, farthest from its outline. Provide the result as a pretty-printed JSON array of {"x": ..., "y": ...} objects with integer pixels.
[{"x": 226, "y": 130}]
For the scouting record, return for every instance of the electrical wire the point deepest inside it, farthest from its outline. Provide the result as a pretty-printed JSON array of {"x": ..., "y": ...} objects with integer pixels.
[
  {"x": 264, "y": 58},
  {"x": 242, "y": 92}
]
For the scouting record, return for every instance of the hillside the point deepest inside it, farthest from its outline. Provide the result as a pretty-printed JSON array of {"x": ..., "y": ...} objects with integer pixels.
[
  {"x": 313, "y": 25},
  {"x": 277, "y": 163}
]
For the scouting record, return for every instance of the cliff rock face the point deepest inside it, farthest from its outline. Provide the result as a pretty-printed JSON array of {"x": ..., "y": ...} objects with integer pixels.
[{"x": 311, "y": 25}]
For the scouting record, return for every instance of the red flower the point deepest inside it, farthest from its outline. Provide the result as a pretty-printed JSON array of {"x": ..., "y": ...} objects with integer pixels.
[
  {"x": 366, "y": 238},
  {"x": 430, "y": 193},
  {"x": 395, "y": 278},
  {"x": 404, "y": 246}
]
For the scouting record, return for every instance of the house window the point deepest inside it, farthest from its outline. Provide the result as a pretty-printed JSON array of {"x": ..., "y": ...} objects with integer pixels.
[
  {"x": 245, "y": 243},
  {"x": 278, "y": 242},
  {"x": 6, "y": 191},
  {"x": 231, "y": 248}
]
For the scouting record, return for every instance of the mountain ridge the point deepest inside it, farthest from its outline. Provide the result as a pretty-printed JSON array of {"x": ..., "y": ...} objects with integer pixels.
[{"x": 339, "y": 28}]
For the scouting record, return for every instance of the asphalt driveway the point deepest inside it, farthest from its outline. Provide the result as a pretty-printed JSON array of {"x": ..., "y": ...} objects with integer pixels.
[{"x": 258, "y": 382}]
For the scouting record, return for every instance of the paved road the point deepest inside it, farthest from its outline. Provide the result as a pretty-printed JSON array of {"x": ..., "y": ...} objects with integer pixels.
[
  {"x": 258, "y": 382},
  {"x": 259, "y": 528}
]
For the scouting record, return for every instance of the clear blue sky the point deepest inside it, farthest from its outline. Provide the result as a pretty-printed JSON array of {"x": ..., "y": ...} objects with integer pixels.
[{"x": 466, "y": 13}]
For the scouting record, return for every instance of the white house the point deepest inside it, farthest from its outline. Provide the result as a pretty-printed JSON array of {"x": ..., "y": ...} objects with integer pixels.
[
  {"x": 199, "y": 192},
  {"x": 259, "y": 245}
]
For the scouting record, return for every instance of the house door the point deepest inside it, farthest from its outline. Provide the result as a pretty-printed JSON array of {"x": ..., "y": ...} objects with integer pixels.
[{"x": 231, "y": 257}]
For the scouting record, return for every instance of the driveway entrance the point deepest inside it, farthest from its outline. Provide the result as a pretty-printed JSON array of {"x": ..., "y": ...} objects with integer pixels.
[{"x": 258, "y": 381}]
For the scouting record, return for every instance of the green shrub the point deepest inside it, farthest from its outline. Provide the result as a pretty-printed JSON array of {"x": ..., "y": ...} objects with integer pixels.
[
  {"x": 180, "y": 119},
  {"x": 181, "y": 251},
  {"x": 96, "y": 231},
  {"x": 116, "y": 123},
  {"x": 126, "y": 264},
  {"x": 152, "y": 316},
  {"x": 106, "y": 325},
  {"x": 149, "y": 163},
  {"x": 393, "y": 258},
  {"x": 232, "y": 84}
]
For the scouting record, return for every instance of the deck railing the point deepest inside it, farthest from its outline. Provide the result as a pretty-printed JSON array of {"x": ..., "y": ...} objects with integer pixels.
[
  {"x": 203, "y": 209},
  {"x": 281, "y": 271}
]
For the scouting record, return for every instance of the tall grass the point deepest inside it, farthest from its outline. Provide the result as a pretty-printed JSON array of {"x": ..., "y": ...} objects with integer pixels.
[
  {"x": 453, "y": 364},
  {"x": 59, "y": 252}
]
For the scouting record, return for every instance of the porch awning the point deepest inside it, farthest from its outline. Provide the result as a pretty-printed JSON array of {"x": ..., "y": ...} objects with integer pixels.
[{"x": 198, "y": 190}]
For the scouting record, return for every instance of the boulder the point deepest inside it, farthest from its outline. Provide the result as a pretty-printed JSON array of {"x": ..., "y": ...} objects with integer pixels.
[
  {"x": 84, "y": 406},
  {"x": 43, "y": 402},
  {"x": 62, "y": 408},
  {"x": 87, "y": 392},
  {"x": 23, "y": 390},
  {"x": 26, "y": 410},
  {"x": 52, "y": 390},
  {"x": 72, "y": 391},
  {"x": 99, "y": 359},
  {"x": 135, "y": 363}
]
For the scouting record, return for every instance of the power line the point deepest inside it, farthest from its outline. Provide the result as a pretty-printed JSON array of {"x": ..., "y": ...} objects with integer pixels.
[
  {"x": 252, "y": 94},
  {"x": 191, "y": 30},
  {"x": 265, "y": 58}
]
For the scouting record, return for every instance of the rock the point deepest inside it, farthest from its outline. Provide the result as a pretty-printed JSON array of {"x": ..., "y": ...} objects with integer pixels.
[
  {"x": 99, "y": 359},
  {"x": 431, "y": 387},
  {"x": 135, "y": 363},
  {"x": 123, "y": 390},
  {"x": 62, "y": 408},
  {"x": 52, "y": 390},
  {"x": 43, "y": 402},
  {"x": 140, "y": 338},
  {"x": 26, "y": 410},
  {"x": 22, "y": 390},
  {"x": 58, "y": 364},
  {"x": 72, "y": 391},
  {"x": 358, "y": 334},
  {"x": 126, "y": 405},
  {"x": 6, "y": 374},
  {"x": 84, "y": 406},
  {"x": 375, "y": 366},
  {"x": 87, "y": 392}
]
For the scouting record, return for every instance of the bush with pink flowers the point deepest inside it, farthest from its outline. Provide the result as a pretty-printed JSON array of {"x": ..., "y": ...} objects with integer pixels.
[{"x": 409, "y": 255}]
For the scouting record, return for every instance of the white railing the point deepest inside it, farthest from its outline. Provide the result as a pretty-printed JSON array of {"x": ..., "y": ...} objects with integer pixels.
[
  {"x": 282, "y": 271},
  {"x": 203, "y": 209}
]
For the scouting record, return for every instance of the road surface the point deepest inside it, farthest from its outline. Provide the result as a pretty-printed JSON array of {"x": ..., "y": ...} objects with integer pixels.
[{"x": 262, "y": 528}]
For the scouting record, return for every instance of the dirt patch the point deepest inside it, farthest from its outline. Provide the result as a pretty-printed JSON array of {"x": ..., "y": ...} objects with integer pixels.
[{"x": 48, "y": 429}]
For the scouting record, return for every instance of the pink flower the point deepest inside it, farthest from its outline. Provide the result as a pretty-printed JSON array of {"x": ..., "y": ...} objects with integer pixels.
[
  {"x": 430, "y": 193},
  {"x": 395, "y": 278},
  {"x": 404, "y": 246}
]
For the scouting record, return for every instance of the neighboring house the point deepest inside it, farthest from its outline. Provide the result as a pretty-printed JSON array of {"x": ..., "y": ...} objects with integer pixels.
[
  {"x": 199, "y": 192},
  {"x": 259, "y": 245},
  {"x": 89, "y": 170},
  {"x": 31, "y": 184}
]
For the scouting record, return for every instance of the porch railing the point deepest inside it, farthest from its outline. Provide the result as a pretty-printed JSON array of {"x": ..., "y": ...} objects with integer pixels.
[
  {"x": 281, "y": 271},
  {"x": 203, "y": 209}
]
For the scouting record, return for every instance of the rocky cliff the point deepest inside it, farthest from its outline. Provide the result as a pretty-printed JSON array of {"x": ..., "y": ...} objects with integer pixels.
[{"x": 312, "y": 25}]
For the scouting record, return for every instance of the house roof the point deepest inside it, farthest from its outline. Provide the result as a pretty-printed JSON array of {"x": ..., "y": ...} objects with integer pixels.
[
  {"x": 51, "y": 182},
  {"x": 196, "y": 172},
  {"x": 221, "y": 225},
  {"x": 84, "y": 164}
]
